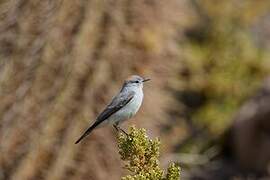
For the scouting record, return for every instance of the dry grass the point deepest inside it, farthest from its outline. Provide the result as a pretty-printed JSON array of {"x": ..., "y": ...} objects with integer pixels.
[{"x": 61, "y": 61}]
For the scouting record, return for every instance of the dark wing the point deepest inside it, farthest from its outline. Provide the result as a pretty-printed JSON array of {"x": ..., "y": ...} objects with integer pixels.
[{"x": 117, "y": 103}]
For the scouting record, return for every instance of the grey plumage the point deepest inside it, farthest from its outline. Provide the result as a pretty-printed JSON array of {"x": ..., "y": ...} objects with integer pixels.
[{"x": 122, "y": 107}]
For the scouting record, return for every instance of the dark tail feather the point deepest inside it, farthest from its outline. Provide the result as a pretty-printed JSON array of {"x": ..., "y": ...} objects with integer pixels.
[{"x": 87, "y": 132}]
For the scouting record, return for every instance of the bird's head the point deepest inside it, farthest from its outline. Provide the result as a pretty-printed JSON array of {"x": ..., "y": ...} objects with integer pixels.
[{"x": 135, "y": 81}]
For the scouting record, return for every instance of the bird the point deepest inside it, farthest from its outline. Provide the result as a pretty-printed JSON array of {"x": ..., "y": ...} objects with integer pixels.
[{"x": 122, "y": 107}]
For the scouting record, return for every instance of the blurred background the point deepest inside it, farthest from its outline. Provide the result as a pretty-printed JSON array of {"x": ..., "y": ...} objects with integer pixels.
[{"x": 208, "y": 101}]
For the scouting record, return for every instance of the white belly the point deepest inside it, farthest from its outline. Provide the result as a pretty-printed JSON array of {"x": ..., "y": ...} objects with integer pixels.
[{"x": 128, "y": 110}]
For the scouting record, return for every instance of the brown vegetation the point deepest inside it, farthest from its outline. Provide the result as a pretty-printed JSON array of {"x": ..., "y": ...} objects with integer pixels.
[{"x": 61, "y": 61}]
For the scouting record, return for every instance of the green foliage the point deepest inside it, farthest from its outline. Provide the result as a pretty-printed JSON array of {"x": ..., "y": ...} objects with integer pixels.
[
  {"x": 141, "y": 156},
  {"x": 224, "y": 64},
  {"x": 173, "y": 172}
]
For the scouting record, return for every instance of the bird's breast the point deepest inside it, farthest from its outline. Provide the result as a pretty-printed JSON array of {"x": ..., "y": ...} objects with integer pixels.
[
  {"x": 134, "y": 105},
  {"x": 128, "y": 110}
]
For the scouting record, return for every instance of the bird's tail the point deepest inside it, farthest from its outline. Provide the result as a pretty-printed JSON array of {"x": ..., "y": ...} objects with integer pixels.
[{"x": 87, "y": 132}]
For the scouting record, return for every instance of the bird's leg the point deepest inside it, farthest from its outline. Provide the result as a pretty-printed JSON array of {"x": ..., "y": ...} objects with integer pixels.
[
  {"x": 118, "y": 128},
  {"x": 123, "y": 131}
]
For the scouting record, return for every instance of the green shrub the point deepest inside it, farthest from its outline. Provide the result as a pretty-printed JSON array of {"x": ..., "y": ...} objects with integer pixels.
[
  {"x": 141, "y": 157},
  {"x": 224, "y": 64}
]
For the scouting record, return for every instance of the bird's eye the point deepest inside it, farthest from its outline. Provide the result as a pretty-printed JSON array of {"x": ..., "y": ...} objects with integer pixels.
[{"x": 137, "y": 81}]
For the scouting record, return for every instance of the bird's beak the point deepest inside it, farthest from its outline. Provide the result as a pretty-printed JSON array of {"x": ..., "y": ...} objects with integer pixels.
[{"x": 147, "y": 79}]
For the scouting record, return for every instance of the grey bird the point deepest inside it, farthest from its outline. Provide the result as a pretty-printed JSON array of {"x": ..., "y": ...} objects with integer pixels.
[{"x": 122, "y": 107}]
